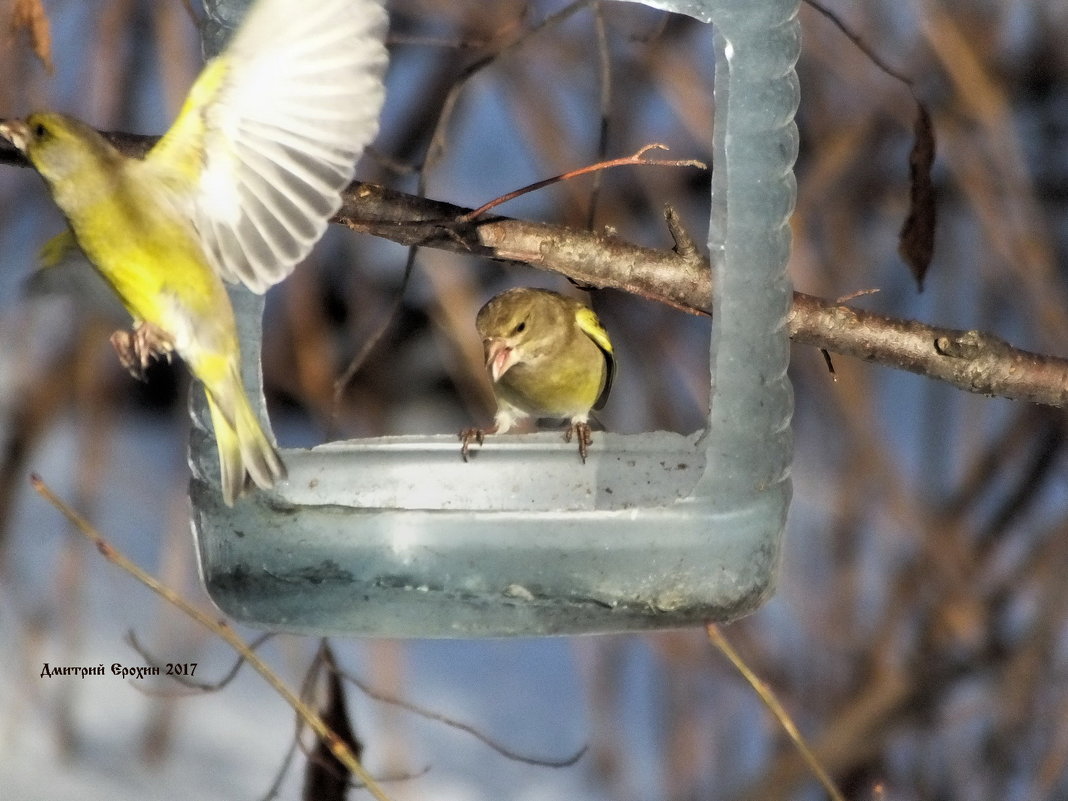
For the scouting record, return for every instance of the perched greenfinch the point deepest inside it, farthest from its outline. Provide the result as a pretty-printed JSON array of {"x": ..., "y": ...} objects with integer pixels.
[
  {"x": 239, "y": 189},
  {"x": 548, "y": 356}
]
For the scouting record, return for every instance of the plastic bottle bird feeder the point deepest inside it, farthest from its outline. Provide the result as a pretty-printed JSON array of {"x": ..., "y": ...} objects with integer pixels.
[{"x": 396, "y": 537}]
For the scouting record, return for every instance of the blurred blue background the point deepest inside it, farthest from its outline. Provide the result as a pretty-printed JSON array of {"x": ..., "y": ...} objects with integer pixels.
[{"x": 918, "y": 635}]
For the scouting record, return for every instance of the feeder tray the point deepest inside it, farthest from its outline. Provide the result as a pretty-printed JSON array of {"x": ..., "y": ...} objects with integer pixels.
[{"x": 396, "y": 537}]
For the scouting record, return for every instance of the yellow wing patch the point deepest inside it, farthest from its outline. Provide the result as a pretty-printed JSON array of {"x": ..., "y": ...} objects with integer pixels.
[
  {"x": 181, "y": 149},
  {"x": 58, "y": 249},
  {"x": 591, "y": 326}
]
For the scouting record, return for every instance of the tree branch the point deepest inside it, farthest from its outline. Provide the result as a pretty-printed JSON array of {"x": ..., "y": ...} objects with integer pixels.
[{"x": 681, "y": 277}]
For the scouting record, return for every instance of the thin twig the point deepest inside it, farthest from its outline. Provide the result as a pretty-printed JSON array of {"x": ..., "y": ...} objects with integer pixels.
[
  {"x": 715, "y": 636},
  {"x": 429, "y": 714},
  {"x": 604, "y": 72},
  {"x": 860, "y": 293},
  {"x": 221, "y": 628},
  {"x": 341, "y": 382},
  {"x": 185, "y": 681},
  {"x": 437, "y": 138},
  {"x": 637, "y": 158},
  {"x": 860, "y": 44}
]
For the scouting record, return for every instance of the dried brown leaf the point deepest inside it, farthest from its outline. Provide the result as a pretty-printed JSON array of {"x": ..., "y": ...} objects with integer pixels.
[
  {"x": 326, "y": 778},
  {"x": 29, "y": 15},
  {"x": 916, "y": 243}
]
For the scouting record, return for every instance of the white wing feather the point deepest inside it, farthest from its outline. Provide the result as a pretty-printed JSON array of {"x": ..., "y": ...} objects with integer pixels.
[{"x": 298, "y": 105}]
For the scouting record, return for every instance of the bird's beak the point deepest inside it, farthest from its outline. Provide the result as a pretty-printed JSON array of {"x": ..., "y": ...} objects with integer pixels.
[
  {"x": 500, "y": 357},
  {"x": 16, "y": 132}
]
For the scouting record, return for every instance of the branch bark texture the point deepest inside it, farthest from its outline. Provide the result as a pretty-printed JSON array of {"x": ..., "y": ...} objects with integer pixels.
[{"x": 681, "y": 277}]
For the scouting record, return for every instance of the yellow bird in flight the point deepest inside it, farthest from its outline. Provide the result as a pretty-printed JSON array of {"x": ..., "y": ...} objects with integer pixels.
[{"x": 239, "y": 189}]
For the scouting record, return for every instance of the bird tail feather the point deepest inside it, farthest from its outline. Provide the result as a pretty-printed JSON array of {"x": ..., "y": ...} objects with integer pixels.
[{"x": 244, "y": 450}]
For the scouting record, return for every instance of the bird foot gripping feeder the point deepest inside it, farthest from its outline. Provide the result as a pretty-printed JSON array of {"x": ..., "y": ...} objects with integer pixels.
[{"x": 396, "y": 537}]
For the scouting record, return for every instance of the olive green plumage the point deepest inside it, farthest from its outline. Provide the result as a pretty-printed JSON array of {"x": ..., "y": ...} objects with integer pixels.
[{"x": 548, "y": 356}]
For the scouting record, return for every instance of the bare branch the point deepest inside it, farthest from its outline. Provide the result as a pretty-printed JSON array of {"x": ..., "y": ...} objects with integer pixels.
[{"x": 970, "y": 360}]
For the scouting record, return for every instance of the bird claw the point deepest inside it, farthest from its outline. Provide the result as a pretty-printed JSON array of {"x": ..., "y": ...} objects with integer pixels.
[
  {"x": 580, "y": 431},
  {"x": 137, "y": 349},
  {"x": 584, "y": 434},
  {"x": 468, "y": 434}
]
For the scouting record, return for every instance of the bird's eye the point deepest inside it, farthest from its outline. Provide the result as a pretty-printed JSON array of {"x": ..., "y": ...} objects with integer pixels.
[
  {"x": 519, "y": 329},
  {"x": 39, "y": 131}
]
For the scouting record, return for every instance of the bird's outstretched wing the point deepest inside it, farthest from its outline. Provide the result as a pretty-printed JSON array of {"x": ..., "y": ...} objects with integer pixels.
[{"x": 272, "y": 129}]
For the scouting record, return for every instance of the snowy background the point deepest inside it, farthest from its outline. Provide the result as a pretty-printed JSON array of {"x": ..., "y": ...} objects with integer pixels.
[{"x": 918, "y": 633}]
